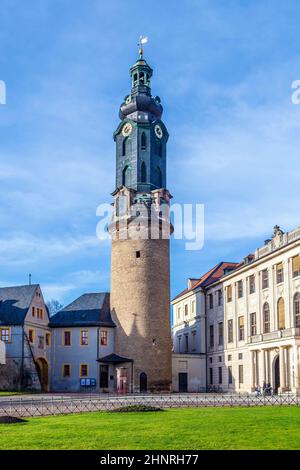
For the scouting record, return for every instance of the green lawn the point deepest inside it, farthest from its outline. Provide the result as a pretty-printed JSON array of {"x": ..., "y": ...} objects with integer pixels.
[
  {"x": 8, "y": 394},
  {"x": 202, "y": 428}
]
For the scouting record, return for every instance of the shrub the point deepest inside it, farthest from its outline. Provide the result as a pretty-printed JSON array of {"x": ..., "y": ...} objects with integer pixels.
[{"x": 135, "y": 409}]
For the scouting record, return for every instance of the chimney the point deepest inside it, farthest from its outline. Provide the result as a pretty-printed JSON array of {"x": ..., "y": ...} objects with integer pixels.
[{"x": 192, "y": 282}]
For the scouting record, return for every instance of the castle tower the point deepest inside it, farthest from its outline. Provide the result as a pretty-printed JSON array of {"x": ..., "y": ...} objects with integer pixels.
[{"x": 140, "y": 231}]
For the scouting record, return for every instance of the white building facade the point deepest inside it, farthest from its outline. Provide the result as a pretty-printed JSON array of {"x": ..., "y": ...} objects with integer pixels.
[{"x": 251, "y": 315}]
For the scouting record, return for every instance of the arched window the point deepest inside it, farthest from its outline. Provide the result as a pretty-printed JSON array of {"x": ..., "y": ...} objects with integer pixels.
[
  {"x": 281, "y": 314},
  {"x": 126, "y": 176},
  {"x": 297, "y": 310},
  {"x": 158, "y": 177},
  {"x": 143, "y": 173},
  {"x": 143, "y": 382},
  {"x": 158, "y": 148},
  {"x": 142, "y": 77},
  {"x": 266, "y": 317},
  {"x": 124, "y": 145},
  {"x": 143, "y": 141}
]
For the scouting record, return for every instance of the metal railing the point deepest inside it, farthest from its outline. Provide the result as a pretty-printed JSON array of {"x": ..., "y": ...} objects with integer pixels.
[{"x": 60, "y": 405}]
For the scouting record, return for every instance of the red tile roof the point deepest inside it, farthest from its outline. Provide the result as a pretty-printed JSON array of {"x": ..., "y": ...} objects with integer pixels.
[{"x": 210, "y": 277}]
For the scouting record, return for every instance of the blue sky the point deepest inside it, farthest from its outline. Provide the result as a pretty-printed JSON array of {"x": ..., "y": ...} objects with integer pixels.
[{"x": 223, "y": 70}]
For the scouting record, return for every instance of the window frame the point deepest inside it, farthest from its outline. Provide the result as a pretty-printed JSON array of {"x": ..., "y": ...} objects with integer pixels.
[
  {"x": 64, "y": 338},
  {"x": 8, "y": 335},
  {"x": 66, "y": 376},
  {"x": 87, "y": 338},
  {"x": 84, "y": 364}
]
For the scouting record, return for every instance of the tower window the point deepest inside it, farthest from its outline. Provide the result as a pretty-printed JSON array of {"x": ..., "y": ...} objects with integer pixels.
[
  {"x": 159, "y": 149},
  {"x": 126, "y": 176},
  {"x": 143, "y": 173},
  {"x": 143, "y": 141},
  {"x": 124, "y": 147},
  {"x": 159, "y": 177},
  {"x": 142, "y": 77},
  {"x": 137, "y": 254}
]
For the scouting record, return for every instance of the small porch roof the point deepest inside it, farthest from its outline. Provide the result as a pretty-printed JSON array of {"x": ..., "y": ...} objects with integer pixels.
[{"x": 114, "y": 359}]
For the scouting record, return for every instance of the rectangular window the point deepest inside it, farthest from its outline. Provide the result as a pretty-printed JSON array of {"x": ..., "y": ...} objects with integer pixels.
[
  {"x": 138, "y": 254},
  {"x": 186, "y": 343},
  {"x": 210, "y": 301},
  {"x": 229, "y": 357},
  {"x": 220, "y": 375},
  {"x": 194, "y": 341},
  {"x": 211, "y": 336},
  {"x": 279, "y": 273},
  {"x": 240, "y": 289},
  {"x": 179, "y": 344},
  {"x": 41, "y": 342},
  {"x": 264, "y": 279},
  {"x": 48, "y": 339},
  {"x": 241, "y": 329},
  {"x": 253, "y": 324},
  {"x": 5, "y": 334},
  {"x": 103, "y": 338},
  {"x": 84, "y": 338},
  {"x": 66, "y": 370},
  {"x": 211, "y": 378},
  {"x": 84, "y": 370},
  {"x": 67, "y": 338},
  {"x": 186, "y": 310},
  {"x": 31, "y": 336},
  {"x": 229, "y": 293},
  {"x": 252, "y": 284},
  {"x": 193, "y": 306},
  {"x": 240, "y": 356},
  {"x": 230, "y": 331},
  {"x": 241, "y": 374},
  {"x": 33, "y": 311},
  {"x": 220, "y": 298},
  {"x": 296, "y": 266},
  {"x": 221, "y": 336},
  {"x": 178, "y": 313},
  {"x": 230, "y": 375}
]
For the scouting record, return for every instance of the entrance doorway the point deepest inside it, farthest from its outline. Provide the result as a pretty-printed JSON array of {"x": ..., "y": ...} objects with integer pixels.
[
  {"x": 143, "y": 382},
  {"x": 276, "y": 374},
  {"x": 183, "y": 382},
  {"x": 104, "y": 376},
  {"x": 43, "y": 373}
]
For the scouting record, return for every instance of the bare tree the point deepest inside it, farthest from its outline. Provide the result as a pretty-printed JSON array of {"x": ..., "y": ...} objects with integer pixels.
[{"x": 54, "y": 306}]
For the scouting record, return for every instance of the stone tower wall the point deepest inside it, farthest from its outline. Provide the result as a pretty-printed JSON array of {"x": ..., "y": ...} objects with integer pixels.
[{"x": 140, "y": 304}]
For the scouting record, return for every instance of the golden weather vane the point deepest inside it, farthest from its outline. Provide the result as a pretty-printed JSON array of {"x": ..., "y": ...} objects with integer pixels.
[{"x": 143, "y": 40}]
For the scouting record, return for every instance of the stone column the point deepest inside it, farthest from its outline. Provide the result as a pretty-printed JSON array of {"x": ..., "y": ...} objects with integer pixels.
[
  {"x": 282, "y": 369},
  {"x": 252, "y": 370},
  {"x": 262, "y": 377},
  {"x": 267, "y": 371},
  {"x": 287, "y": 368},
  {"x": 295, "y": 368}
]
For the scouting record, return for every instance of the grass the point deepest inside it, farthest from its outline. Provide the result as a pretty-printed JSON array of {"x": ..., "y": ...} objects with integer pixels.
[
  {"x": 9, "y": 394},
  {"x": 187, "y": 429}
]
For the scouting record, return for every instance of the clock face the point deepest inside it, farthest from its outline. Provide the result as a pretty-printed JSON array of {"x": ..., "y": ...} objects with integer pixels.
[
  {"x": 158, "y": 131},
  {"x": 127, "y": 129}
]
